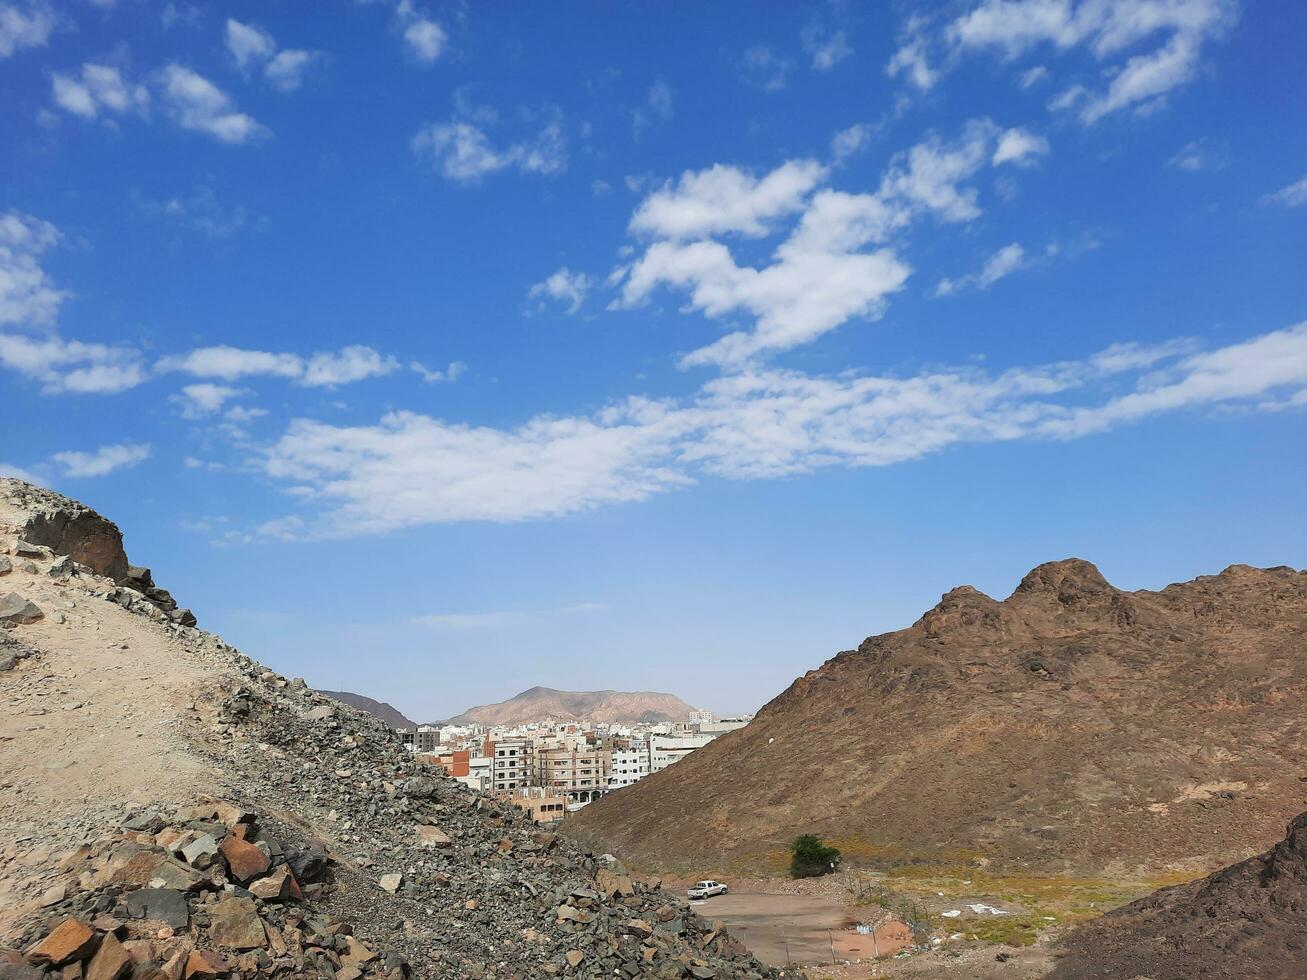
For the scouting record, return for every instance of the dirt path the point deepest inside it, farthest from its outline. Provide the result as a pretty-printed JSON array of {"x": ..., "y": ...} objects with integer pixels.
[
  {"x": 78, "y": 737},
  {"x": 798, "y": 929}
]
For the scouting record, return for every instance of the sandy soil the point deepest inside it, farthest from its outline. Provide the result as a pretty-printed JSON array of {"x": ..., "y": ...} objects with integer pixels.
[{"x": 75, "y": 742}]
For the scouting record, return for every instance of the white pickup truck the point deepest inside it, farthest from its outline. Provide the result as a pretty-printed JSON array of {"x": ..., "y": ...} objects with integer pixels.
[{"x": 706, "y": 889}]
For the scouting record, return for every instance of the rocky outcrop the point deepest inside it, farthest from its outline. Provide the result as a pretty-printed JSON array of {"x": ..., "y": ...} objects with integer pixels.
[
  {"x": 1246, "y": 920},
  {"x": 70, "y": 534},
  {"x": 387, "y": 712},
  {"x": 1072, "y": 726},
  {"x": 66, "y": 527}
]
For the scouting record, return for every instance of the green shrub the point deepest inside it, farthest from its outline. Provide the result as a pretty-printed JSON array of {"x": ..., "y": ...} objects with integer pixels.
[{"x": 810, "y": 858}]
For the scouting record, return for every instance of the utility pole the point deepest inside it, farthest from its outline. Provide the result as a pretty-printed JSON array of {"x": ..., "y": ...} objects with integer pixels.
[{"x": 831, "y": 936}]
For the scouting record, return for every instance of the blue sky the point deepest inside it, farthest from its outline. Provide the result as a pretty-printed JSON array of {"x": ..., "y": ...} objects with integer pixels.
[{"x": 438, "y": 351}]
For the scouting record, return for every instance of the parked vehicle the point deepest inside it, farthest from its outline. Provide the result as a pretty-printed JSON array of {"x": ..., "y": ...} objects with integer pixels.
[{"x": 706, "y": 889}]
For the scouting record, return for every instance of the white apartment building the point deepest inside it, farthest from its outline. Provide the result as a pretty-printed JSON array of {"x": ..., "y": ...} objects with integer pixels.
[
  {"x": 512, "y": 764},
  {"x": 629, "y": 765},
  {"x": 667, "y": 749}
]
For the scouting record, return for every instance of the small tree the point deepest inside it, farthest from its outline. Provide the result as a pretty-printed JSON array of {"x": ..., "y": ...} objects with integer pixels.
[{"x": 810, "y": 858}]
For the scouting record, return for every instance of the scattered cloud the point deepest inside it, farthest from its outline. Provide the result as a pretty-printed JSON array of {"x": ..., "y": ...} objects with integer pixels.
[
  {"x": 766, "y": 69},
  {"x": 96, "y": 90},
  {"x": 7, "y": 469},
  {"x": 195, "y": 103},
  {"x": 323, "y": 369},
  {"x": 1176, "y": 30},
  {"x": 658, "y": 105},
  {"x": 424, "y": 38},
  {"x": 1004, "y": 262},
  {"x": 411, "y": 469},
  {"x": 204, "y": 398},
  {"x": 1020, "y": 147},
  {"x": 201, "y": 210},
  {"x": 1292, "y": 196},
  {"x": 24, "y": 25},
  {"x": 27, "y": 297},
  {"x": 461, "y": 150},
  {"x": 835, "y": 264},
  {"x": 435, "y": 377},
  {"x": 70, "y": 366},
  {"x": 103, "y": 461},
  {"x": 564, "y": 286},
  {"x": 826, "y": 48},
  {"x": 724, "y": 199},
  {"x": 254, "y": 49}
]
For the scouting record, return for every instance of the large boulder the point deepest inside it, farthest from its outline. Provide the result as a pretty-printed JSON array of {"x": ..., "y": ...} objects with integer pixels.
[{"x": 66, "y": 527}]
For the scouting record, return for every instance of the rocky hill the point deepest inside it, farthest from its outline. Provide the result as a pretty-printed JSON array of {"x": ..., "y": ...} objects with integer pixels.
[
  {"x": 1071, "y": 726},
  {"x": 547, "y": 704},
  {"x": 1246, "y": 920},
  {"x": 172, "y": 810},
  {"x": 387, "y": 712}
]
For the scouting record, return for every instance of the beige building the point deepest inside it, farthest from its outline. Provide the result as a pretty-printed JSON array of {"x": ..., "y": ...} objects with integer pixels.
[{"x": 580, "y": 774}]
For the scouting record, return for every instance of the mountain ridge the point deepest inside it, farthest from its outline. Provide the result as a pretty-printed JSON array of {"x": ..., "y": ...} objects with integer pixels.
[
  {"x": 1072, "y": 725},
  {"x": 551, "y": 704}
]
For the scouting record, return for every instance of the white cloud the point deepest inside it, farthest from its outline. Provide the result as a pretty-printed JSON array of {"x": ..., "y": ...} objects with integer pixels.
[
  {"x": 231, "y": 363},
  {"x": 660, "y": 99},
  {"x": 1033, "y": 76},
  {"x": 204, "y": 398},
  {"x": 195, "y": 103},
  {"x": 249, "y": 45},
  {"x": 1292, "y": 196},
  {"x": 1108, "y": 29},
  {"x": 766, "y": 69},
  {"x": 99, "y": 88},
  {"x": 24, "y": 25},
  {"x": 425, "y": 39},
  {"x": 461, "y": 150},
  {"x": 70, "y": 366},
  {"x": 1020, "y": 147},
  {"x": 910, "y": 60},
  {"x": 850, "y": 142},
  {"x": 103, "y": 461},
  {"x": 823, "y": 274},
  {"x": 27, "y": 297},
  {"x": 450, "y": 374},
  {"x": 7, "y": 469},
  {"x": 725, "y": 199},
  {"x": 349, "y": 364},
  {"x": 827, "y": 49},
  {"x": 255, "y": 49},
  {"x": 567, "y": 287},
  {"x": 1196, "y": 156},
  {"x": 323, "y": 369},
  {"x": 412, "y": 469},
  {"x": 1004, "y": 262}
]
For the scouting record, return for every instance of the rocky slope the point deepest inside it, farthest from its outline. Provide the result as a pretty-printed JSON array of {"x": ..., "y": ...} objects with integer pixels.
[
  {"x": 547, "y": 704},
  {"x": 1246, "y": 920},
  {"x": 1070, "y": 727},
  {"x": 387, "y": 712},
  {"x": 170, "y": 809}
]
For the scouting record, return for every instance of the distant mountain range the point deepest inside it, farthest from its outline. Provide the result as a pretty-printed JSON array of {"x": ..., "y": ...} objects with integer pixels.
[
  {"x": 548, "y": 704},
  {"x": 1072, "y": 727},
  {"x": 388, "y": 713}
]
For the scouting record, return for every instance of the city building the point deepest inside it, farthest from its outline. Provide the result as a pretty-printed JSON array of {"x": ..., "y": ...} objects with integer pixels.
[
  {"x": 628, "y": 765},
  {"x": 580, "y": 774},
  {"x": 511, "y": 763}
]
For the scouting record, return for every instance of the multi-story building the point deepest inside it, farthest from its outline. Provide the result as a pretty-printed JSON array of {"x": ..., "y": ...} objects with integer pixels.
[
  {"x": 628, "y": 765},
  {"x": 511, "y": 764},
  {"x": 580, "y": 774},
  {"x": 667, "y": 749},
  {"x": 542, "y": 805}
]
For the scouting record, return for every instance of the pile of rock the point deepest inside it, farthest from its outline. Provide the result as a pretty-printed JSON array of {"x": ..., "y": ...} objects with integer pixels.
[
  {"x": 137, "y": 589},
  {"x": 208, "y": 894}
]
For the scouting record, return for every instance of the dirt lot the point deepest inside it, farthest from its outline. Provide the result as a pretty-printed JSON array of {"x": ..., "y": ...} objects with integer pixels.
[{"x": 799, "y": 929}]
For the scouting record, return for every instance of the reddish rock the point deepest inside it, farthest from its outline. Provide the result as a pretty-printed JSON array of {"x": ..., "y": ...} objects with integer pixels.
[
  {"x": 277, "y": 887},
  {"x": 235, "y": 922},
  {"x": 111, "y": 960},
  {"x": 204, "y": 964},
  {"x": 244, "y": 860},
  {"x": 70, "y": 940}
]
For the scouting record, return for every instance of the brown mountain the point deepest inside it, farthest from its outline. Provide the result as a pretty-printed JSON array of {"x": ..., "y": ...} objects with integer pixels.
[
  {"x": 547, "y": 704},
  {"x": 1217, "y": 927},
  {"x": 1071, "y": 726},
  {"x": 387, "y": 712}
]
